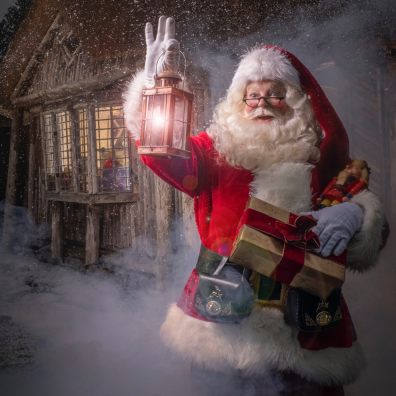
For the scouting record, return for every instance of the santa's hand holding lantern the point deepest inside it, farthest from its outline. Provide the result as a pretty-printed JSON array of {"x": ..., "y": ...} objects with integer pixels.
[
  {"x": 166, "y": 108},
  {"x": 275, "y": 137}
]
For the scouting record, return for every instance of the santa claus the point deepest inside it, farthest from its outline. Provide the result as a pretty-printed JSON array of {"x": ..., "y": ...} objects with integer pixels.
[{"x": 275, "y": 136}]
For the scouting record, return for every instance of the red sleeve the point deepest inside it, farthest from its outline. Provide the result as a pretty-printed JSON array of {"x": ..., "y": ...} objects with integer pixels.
[
  {"x": 331, "y": 184},
  {"x": 187, "y": 175},
  {"x": 357, "y": 187}
]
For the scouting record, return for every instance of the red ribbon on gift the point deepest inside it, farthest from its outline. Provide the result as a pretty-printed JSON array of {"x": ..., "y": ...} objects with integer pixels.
[
  {"x": 296, "y": 235},
  {"x": 297, "y": 232}
]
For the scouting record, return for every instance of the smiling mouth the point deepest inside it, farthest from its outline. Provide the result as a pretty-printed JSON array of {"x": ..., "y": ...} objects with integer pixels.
[{"x": 264, "y": 118}]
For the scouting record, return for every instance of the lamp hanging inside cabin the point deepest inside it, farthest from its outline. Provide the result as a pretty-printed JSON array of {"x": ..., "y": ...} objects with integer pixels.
[{"x": 166, "y": 118}]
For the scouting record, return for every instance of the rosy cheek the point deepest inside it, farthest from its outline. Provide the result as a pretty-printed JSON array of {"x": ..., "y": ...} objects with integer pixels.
[
  {"x": 282, "y": 105},
  {"x": 248, "y": 109}
]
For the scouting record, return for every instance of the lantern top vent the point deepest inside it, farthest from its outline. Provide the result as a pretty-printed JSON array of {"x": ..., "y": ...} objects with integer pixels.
[{"x": 167, "y": 79}]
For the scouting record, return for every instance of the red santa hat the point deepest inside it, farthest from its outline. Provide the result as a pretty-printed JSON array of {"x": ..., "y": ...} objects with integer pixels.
[{"x": 275, "y": 63}]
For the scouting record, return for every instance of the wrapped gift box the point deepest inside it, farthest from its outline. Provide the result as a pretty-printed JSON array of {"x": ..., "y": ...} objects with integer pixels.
[{"x": 277, "y": 244}]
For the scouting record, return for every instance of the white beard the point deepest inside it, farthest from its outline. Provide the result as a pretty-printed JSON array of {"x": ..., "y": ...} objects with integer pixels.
[{"x": 252, "y": 145}]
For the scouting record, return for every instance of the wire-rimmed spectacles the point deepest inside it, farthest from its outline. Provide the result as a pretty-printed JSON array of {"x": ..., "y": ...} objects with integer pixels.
[{"x": 274, "y": 101}]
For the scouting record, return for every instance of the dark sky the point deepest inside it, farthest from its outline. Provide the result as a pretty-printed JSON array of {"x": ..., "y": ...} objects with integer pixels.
[{"x": 4, "y": 4}]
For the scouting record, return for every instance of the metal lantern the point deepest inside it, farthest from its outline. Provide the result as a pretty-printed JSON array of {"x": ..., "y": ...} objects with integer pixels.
[{"x": 166, "y": 118}]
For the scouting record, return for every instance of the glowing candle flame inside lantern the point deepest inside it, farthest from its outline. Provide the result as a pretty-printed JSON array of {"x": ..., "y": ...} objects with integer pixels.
[{"x": 158, "y": 118}]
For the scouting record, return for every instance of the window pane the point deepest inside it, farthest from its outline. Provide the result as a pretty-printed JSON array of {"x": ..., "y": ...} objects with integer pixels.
[
  {"x": 180, "y": 123},
  {"x": 82, "y": 156},
  {"x": 112, "y": 150},
  {"x": 49, "y": 152},
  {"x": 65, "y": 163}
]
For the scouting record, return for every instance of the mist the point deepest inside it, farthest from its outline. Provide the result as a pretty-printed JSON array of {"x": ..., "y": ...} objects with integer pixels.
[{"x": 64, "y": 331}]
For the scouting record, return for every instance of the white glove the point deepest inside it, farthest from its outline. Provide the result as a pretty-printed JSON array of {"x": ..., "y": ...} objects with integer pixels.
[
  {"x": 163, "y": 52},
  {"x": 336, "y": 226}
]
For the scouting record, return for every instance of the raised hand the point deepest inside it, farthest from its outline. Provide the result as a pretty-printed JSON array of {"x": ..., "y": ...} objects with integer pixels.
[{"x": 162, "y": 53}]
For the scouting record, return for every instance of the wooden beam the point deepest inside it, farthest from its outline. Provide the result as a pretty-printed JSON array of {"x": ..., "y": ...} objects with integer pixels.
[
  {"x": 57, "y": 230},
  {"x": 92, "y": 235},
  {"x": 93, "y": 199},
  {"x": 80, "y": 87},
  {"x": 35, "y": 59},
  {"x": 164, "y": 217},
  {"x": 10, "y": 198},
  {"x": 7, "y": 113}
]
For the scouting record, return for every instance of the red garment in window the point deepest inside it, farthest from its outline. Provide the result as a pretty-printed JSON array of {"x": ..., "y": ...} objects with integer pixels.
[{"x": 109, "y": 164}]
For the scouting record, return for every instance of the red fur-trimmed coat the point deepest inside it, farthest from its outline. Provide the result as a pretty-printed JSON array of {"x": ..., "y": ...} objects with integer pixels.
[{"x": 263, "y": 341}]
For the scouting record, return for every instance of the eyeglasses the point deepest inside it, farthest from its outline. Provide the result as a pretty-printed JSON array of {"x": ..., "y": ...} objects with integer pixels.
[{"x": 274, "y": 101}]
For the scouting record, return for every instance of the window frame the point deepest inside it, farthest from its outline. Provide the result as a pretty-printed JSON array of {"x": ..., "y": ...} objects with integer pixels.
[{"x": 88, "y": 183}]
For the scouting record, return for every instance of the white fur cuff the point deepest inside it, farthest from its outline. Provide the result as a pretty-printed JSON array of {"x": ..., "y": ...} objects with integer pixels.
[
  {"x": 133, "y": 104},
  {"x": 364, "y": 247}
]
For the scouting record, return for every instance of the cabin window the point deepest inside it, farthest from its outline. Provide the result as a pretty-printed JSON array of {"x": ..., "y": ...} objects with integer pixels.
[
  {"x": 82, "y": 150},
  {"x": 87, "y": 149},
  {"x": 49, "y": 141},
  {"x": 112, "y": 149},
  {"x": 65, "y": 148}
]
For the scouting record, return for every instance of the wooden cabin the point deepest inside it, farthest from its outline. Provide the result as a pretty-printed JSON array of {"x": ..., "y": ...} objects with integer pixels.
[
  {"x": 69, "y": 144},
  {"x": 71, "y": 160}
]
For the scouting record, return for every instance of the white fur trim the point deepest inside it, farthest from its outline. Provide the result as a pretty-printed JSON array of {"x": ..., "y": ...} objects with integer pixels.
[
  {"x": 263, "y": 64},
  {"x": 364, "y": 247},
  {"x": 133, "y": 103},
  {"x": 332, "y": 365},
  {"x": 286, "y": 185},
  {"x": 259, "y": 343},
  {"x": 266, "y": 64}
]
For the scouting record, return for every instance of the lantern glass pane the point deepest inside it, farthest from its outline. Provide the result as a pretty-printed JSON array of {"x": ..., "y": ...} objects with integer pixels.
[
  {"x": 156, "y": 121},
  {"x": 180, "y": 123}
]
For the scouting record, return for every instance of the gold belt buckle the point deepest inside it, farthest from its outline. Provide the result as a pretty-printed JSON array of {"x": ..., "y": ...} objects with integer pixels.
[{"x": 280, "y": 295}]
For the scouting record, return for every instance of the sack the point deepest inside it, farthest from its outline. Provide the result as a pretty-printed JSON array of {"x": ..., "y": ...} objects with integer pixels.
[
  {"x": 224, "y": 296},
  {"x": 311, "y": 313}
]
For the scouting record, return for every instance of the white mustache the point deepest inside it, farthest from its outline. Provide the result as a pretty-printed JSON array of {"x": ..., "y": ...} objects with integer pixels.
[{"x": 259, "y": 112}]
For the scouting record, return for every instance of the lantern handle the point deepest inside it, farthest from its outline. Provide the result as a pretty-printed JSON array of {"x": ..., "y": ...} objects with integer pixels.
[{"x": 185, "y": 65}]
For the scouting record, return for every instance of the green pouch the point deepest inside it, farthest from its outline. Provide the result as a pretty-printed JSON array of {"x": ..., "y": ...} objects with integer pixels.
[{"x": 224, "y": 296}]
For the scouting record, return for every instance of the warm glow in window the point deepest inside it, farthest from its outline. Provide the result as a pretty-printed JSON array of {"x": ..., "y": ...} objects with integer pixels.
[
  {"x": 112, "y": 149},
  {"x": 49, "y": 151},
  {"x": 82, "y": 158},
  {"x": 72, "y": 165},
  {"x": 64, "y": 134}
]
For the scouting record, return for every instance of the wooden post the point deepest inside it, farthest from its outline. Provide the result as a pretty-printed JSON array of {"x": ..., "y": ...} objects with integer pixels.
[
  {"x": 92, "y": 235},
  {"x": 56, "y": 230},
  {"x": 32, "y": 166},
  {"x": 10, "y": 199},
  {"x": 164, "y": 217}
]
